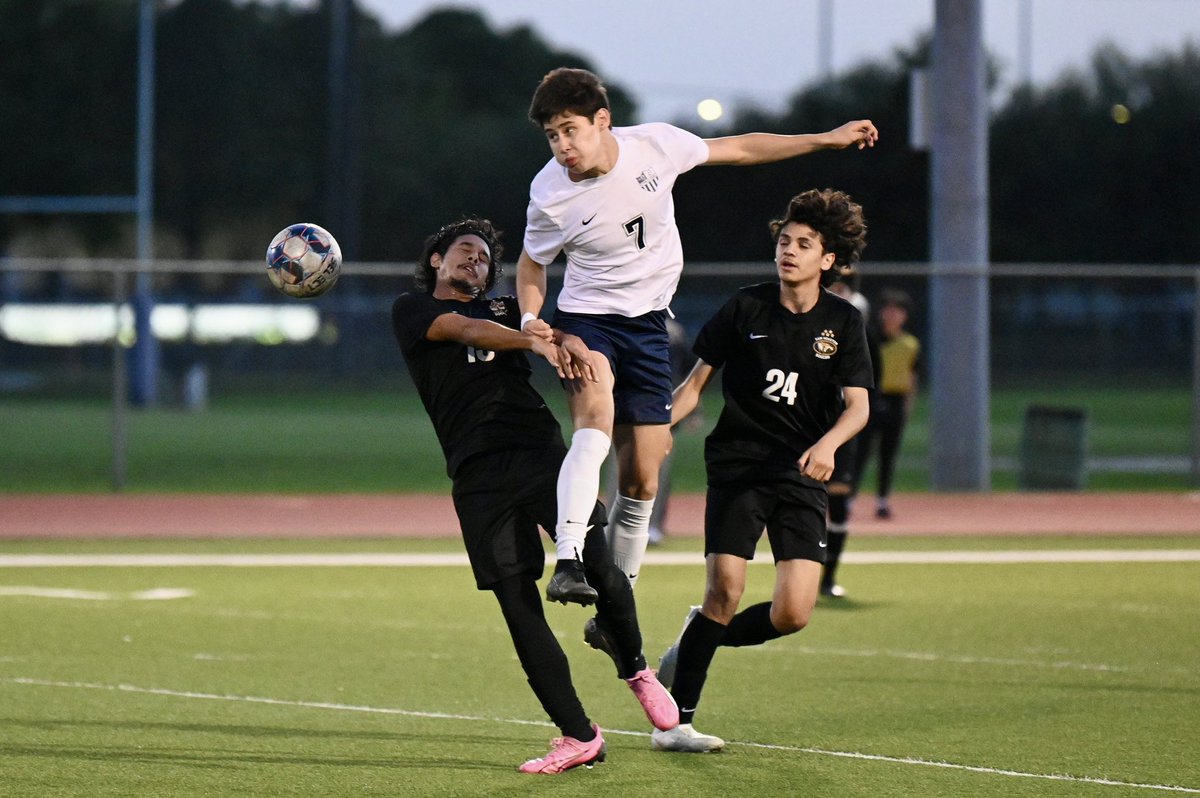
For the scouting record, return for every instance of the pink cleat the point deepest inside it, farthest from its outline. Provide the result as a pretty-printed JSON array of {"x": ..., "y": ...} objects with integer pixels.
[
  {"x": 566, "y": 753},
  {"x": 660, "y": 707}
]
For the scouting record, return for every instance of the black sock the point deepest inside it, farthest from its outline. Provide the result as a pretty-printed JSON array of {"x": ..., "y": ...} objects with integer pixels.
[
  {"x": 839, "y": 509},
  {"x": 541, "y": 656},
  {"x": 833, "y": 554},
  {"x": 696, "y": 648},
  {"x": 751, "y": 626},
  {"x": 839, "y": 512},
  {"x": 615, "y": 607}
]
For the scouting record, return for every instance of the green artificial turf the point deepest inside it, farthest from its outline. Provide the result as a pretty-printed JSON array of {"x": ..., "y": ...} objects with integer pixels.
[{"x": 1048, "y": 679}]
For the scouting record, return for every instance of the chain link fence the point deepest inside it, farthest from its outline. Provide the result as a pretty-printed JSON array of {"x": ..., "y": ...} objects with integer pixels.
[{"x": 1082, "y": 330}]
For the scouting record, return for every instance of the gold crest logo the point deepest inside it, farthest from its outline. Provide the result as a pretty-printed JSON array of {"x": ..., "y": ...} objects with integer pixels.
[{"x": 825, "y": 345}]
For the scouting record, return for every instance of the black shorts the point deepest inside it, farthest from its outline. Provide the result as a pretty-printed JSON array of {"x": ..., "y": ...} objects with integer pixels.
[
  {"x": 639, "y": 351},
  {"x": 501, "y": 499},
  {"x": 735, "y": 514}
]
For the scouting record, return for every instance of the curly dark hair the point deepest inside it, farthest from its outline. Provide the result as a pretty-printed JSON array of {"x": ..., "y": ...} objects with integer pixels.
[
  {"x": 425, "y": 276},
  {"x": 836, "y": 218},
  {"x": 567, "y": 90}
]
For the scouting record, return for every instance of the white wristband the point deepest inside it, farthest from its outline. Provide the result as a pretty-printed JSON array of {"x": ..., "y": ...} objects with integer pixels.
[{"x": 525, "y": 319}]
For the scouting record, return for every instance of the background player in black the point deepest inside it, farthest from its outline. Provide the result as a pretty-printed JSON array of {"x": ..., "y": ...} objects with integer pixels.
[
  {"x": 503, "y": 451},
  {"x": 843, "y": 484},
  {"x": 795, "y": 386}
]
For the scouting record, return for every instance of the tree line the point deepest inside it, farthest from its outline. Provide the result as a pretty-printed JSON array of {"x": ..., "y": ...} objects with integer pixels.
[{"x": 1100, "y": 166}]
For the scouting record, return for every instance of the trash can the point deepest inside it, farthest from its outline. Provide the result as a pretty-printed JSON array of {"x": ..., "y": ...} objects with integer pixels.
[
  {"x": 1053, "y": 452},
  {"x": 195, "y": 387}
]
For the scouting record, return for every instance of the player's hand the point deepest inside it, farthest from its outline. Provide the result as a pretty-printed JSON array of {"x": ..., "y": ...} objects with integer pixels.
[
  {"x": 550, "y": 351},
  {"x": 817, "y": 462},
  {"x": 861, "y": 132},
  {"x": 576, "y": 358},
  {"x": 540, "y": 328}
]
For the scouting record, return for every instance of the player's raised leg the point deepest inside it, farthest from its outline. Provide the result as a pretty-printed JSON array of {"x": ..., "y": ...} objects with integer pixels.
[{"x": 591, "y": 405}]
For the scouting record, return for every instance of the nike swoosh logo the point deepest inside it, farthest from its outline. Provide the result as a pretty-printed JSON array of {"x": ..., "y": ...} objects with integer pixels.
[
  {"x": 822, "y": 545},
  {"x": 754, "y": 337},
  {"x": 588, "y": 220},
  {"x": 668, "y": 407}
]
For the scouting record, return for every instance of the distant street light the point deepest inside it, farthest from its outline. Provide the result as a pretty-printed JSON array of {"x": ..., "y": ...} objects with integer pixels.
[{"x": 709, "y": 110}]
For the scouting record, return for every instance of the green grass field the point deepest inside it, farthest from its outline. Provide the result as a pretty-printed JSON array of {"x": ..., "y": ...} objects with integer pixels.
[
  {"x": 1050, "y": 679},
  {"x": 343, "y": 441}
]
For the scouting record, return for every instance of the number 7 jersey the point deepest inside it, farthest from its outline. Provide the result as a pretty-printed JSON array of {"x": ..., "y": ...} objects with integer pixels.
[
  {"x": 782, "y": 380},
  {"x": 617, "y": 230}
]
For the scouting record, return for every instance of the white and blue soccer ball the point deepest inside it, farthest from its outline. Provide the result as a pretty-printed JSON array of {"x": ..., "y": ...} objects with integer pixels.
[{"x": 304, "y": 260}]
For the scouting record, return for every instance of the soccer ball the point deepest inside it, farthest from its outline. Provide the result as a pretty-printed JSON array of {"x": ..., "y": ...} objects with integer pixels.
[{"x": 304, "y": 260}]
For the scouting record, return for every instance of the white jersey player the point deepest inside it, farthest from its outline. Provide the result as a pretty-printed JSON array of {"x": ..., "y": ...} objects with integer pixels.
[{"x": 605, "y": 201}]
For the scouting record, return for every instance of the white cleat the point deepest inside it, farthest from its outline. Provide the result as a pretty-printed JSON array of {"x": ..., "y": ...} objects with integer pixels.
[
  {"x": 685, "y": 739},
  {"x": 667, "y": 662}
]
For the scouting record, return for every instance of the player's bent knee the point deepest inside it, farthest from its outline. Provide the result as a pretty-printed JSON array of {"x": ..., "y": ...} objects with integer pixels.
[{"x": 789, "y": 621}]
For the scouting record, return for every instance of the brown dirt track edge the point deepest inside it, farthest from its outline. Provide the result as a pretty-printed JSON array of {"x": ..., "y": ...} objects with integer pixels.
[{"x": 383, "y": 516}]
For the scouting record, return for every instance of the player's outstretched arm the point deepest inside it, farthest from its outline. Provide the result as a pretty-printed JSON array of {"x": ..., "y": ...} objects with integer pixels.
[
  {"x": 531, "y": 295},
  {"x": 686, "y": 395},
  {"x": 484, "y": 334},
  {"x": 755, "y": 148}
]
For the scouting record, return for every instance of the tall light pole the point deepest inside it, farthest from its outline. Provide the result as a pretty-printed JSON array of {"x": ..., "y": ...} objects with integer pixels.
[
  {"x": 959, "y": 343},
  {"x": 825, "y": 38},
  {"x": 1024, "y": 41},
  {"x": 145, "y": 355}
]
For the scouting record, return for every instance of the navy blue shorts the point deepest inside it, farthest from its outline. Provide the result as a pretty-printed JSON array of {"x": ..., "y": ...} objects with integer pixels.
[
  {"x": 793, "y": 515},
  {"x": 639, "y": 351}
]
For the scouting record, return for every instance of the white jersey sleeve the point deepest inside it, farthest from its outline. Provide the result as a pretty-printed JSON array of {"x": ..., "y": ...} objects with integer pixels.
[{"x": 618, "y": 230}]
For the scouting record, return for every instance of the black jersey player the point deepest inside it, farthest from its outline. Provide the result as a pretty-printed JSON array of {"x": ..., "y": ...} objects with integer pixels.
[
  {"x": 796, "y": 374},
  {"x": 503, "y": 451}
]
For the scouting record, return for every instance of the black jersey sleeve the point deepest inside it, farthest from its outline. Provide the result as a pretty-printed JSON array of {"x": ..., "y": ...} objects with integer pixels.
[
  {"x": 411, "y": 316},
  {"x": 715, "y": 337},
  {"x": 855, "y": 369}
]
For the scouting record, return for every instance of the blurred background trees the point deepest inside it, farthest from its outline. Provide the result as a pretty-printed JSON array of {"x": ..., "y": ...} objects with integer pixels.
[{"x": 1100, "y": 166}]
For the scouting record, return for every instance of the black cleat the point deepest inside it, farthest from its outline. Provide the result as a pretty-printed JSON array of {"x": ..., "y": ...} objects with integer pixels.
[
  {"x": 597, "y": 635},
  {"x": 569, "y": 584}
]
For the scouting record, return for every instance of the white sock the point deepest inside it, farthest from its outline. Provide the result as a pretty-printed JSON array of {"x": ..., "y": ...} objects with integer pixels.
[
  {"x": 578, "y": 487},
  {"x": 628, "y": 533}
]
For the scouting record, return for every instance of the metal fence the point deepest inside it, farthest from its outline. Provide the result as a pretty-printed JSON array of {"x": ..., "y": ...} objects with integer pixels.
[{"x": 1120, "y": 326}]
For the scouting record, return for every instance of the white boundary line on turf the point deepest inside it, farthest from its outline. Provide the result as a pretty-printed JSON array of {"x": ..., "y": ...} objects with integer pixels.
[
  {"x": 401, "y": 560},
  {"x": 900, "y": 760},
  {"x": 155, "y": 594}
]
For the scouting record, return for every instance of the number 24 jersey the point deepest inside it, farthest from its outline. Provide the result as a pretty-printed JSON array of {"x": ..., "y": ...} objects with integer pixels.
[{"x": 782, "y": 380}]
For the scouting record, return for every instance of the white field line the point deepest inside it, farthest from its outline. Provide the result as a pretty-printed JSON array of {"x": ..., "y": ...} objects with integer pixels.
[
  {"x": 400, "y": 560},
  {"x": 921, "y": 656},
  {"x": 155, "y": 594},
  {"x": 900, "y": 760}
]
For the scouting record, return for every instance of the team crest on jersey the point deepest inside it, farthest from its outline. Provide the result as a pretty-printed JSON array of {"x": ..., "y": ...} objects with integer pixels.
[
  {"x": 825, "y": 345},
  {"x": 497, "y": 307},
  {"x": 648, "y": 180}
]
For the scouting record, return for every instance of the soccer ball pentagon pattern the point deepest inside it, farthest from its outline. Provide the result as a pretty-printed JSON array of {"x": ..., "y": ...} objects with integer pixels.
[{"x": 304, "y": 260}]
